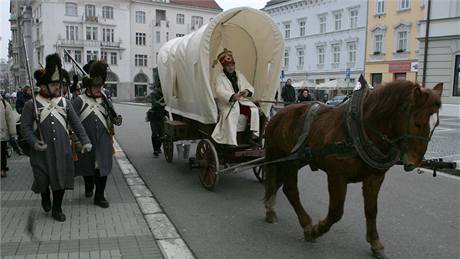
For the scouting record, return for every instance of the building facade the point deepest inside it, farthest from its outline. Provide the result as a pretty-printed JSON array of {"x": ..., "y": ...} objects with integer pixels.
[
  {"x": 20, "y": 24},
  {"x": 392, "y": 46},
  {"x": 324, "y": 39},
  {"x": 443, "y": 55},
  {"x": 125, "y": 33}
]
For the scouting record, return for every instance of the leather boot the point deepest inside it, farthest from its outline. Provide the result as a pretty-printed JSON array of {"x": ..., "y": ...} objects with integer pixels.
[
  {"x": 46, "y": 200},
  {"x": 89, "y": 185},
  {"x": 99, "y": 198},
  {"x": 57, "y": 214}
]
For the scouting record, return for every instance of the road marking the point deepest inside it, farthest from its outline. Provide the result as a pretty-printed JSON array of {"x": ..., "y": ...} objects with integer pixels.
[{"x": 168, "y": 239}]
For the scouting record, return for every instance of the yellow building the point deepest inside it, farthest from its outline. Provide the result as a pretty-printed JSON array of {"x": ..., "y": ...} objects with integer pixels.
[{"x": 391, "y": 44}]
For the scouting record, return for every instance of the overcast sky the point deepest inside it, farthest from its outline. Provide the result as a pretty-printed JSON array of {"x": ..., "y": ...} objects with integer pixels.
[{"x": 5, "y": 33}]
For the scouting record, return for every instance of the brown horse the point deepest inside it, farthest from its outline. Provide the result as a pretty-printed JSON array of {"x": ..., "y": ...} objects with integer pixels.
[{"x": 399, "y": 108}]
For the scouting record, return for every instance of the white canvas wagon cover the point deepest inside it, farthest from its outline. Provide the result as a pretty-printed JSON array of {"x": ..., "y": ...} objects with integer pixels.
[{"x": 188, "y": 67}]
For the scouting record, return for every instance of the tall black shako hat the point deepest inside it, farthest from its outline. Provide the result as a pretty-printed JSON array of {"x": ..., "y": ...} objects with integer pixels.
[
  {"x": 97, "y": 71},
  {"x": 52, "y": 73}
]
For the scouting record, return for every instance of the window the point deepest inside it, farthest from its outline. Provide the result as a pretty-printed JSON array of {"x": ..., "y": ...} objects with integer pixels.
[
  {"x": 302, "y": 28},
  {"x": 336, "y": 54},
  {"x": 380, "y": 7},
  {"x": 286, "y": 58},
  {"x": 104, "y": 56},
  {"x": 320, "y": 55},
  {"x": 300, "y": 58},
  {"x": 90, "y": 10},
  {"x": 71, "y": 9},
  {"x": 378, "y": 43},
  {"x": 337, "y": 21},
  {"x": 197, "y": 22},
  {"x": 158, "y": 36},
  {"x": 376, "y": 79},
  {"x": 352, "y": 52},
  {"x": 91, "y": 55},
  {"x": 140, "y": 60},
  {"x": 107, "y": 12},
  {"x": 404, "y": 4},
  {"x": 112, "y": 88},
  {"x": 399, "y": 76},
  {"x": 66, "y": 57},
  {"x": 402, "y": 41},
  {"x": 91, "y": 33},
  {"x": 179, "y": 35},
  {"x": 287, "y": 30},
  {"x": 140, "y": 38},
  {"x": 167, "y": 36},
  {"x": 456, "y": 84},
  {"x": 353, "y": 18},
  {"x": 107, "y": 35},
  {"x": 140, "y": 17},
  {"x": 322, "y": 23},
  {"x": 71, "y": 32},
  {"x": 113, "y": 58},
  {"x": 78, "y": 56},
  {"x": 180, "y": 18},
  {"x": 39, "y": 56},
  {"x": 140, "y": 90}
]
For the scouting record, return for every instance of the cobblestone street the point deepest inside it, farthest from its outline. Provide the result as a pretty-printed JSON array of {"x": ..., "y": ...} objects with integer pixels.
[{"x": 119, "y": 231}]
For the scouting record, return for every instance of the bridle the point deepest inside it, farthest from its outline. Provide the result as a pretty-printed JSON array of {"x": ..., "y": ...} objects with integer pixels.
[{"x": 365, "y": 147}]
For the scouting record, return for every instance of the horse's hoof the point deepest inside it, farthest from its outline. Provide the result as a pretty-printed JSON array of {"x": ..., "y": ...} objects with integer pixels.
[
  {"x": 271, "y": 217},
  {"x": 308, "y": 234},
  {"x": 379, "y": 253}
]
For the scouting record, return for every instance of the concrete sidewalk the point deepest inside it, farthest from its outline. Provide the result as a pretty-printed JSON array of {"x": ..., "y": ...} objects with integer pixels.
[{"x": 119, "y": 231}]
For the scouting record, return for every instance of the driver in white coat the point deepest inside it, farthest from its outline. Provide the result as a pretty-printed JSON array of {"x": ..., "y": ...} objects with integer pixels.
[{"x": 232, "y": 89}]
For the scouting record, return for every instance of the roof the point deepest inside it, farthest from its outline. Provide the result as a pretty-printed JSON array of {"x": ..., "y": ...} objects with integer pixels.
[
  {"x": 274, "y": 2},
  {"x": 210, "y": 4}
]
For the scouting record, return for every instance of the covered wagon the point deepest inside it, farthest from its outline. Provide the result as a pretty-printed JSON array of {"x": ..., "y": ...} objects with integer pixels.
[{"x": 188, "y": 68}]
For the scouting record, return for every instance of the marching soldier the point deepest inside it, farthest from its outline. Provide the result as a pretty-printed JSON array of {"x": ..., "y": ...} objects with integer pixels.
[
  {"x": 98, "y": 117},
  {"x": 50, "y": 155}
]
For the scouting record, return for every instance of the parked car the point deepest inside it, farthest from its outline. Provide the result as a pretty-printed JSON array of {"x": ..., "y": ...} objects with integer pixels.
[{"x": 336, "y": 100}]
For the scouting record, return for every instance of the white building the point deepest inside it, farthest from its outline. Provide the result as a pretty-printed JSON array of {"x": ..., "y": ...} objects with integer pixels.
[
  {"x": 323, "y": 38},
  {"x": 443, "y": 55},
  {"x": 125, "y": 33}
]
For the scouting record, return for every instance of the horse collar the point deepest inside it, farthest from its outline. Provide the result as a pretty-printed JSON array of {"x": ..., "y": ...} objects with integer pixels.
[{"x": 366, "y": 149}]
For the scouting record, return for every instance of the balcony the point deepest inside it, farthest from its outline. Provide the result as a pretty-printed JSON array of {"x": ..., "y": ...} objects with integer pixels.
[
  {"x": 107, "y": 44},
  {"x": 93, "y": 19},
  {"x": 162, "y": 24}
]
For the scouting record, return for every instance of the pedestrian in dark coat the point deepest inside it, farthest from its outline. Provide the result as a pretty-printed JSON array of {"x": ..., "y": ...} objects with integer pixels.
[
  {"x": 156, "y": 116},
  {"x": 50, "y": 156},
  {"x": 305, "y": 96},
  {"x": 93, "y": 109},
  {"x": 22, "y": 97},
  {"x": 288, "y": 92}
]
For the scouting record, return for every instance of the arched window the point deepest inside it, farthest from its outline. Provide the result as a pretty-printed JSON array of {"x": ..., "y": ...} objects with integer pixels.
[
  {"x": 140, "y": 17},
  {"x": 141, "y": 81},
  {"x": 71, "y": 9}
]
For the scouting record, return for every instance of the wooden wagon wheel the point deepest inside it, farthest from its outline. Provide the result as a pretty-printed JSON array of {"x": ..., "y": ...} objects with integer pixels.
[
  {"x": 168, "y": 149},
  {"x": 207, "y": 155},
  {"x": 259, "y": 172}
]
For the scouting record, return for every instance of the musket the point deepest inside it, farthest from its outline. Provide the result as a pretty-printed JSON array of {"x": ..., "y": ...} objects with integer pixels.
[
  {"x": 112, "y": 113},
  {"x": 32, "y": 85}
]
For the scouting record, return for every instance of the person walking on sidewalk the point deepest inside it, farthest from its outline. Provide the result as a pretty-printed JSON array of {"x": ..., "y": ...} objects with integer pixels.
[
  {"x": 156, "y": 116},
  {"x": 94, "y": 111},
  {"x": 50, "y": 156},
  {"x": 8, "y": 118},
  {"x": 288, "y": 92}
]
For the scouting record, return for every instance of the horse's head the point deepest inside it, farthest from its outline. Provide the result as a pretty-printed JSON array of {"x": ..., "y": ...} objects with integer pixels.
[
  {"x": 418, "y": 122},
  {"x": 405, "y": 115}
]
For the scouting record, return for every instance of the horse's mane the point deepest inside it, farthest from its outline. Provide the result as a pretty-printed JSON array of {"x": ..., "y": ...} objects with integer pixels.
[{"x": 389, "y": 100}]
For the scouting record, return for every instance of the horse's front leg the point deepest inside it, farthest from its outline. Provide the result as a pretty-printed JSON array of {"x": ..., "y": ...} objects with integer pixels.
[
  {"x": 337, "y": 187},
  {"x": 371, "y": 188}
]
